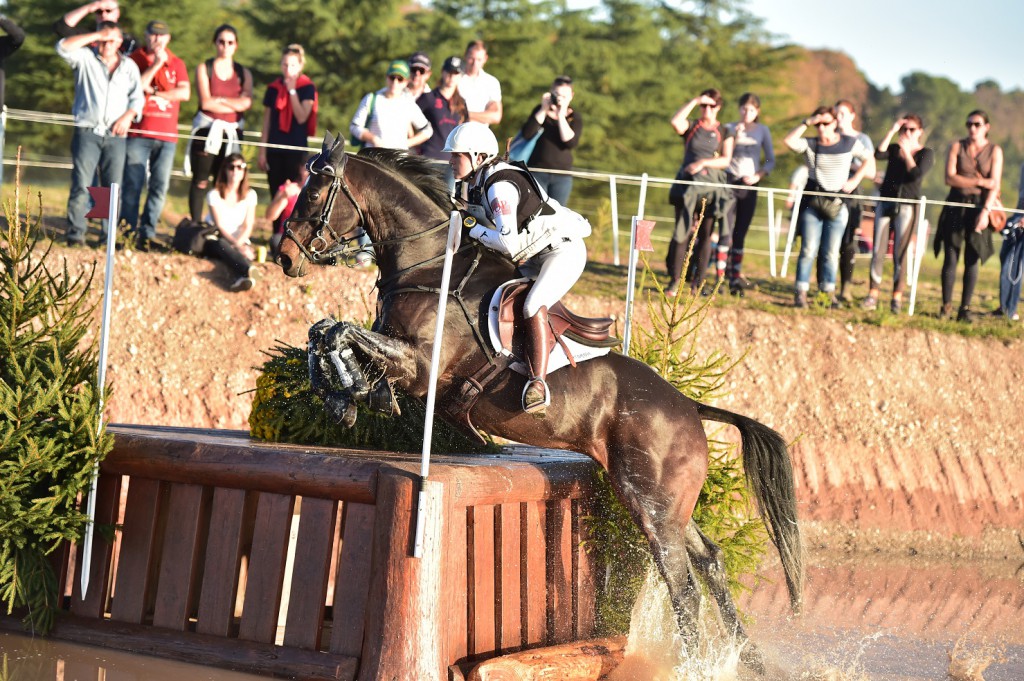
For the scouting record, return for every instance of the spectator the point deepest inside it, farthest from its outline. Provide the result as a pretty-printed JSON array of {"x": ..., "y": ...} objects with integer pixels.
[
  {"x": 752, "y": 140},
  {"x": 283, "y": 203},
  {"x": 708, "y": 152},
  {"x": 444, "y": 108},
  {"x": 289, "y": 118},
  {"x": 481, "y": 90},
  {"x": 106, "y": 10},
  {"x": 908, "y": 162},
  {"x": 845, "y": 115},
  {"x": 9, "y": 44},
  {"x": 822, "y": 219},
  {"x": 419, "y": 75},
  {"x": 560, "y": 127},
  {"x": 974, "y": 167},
  {"x": 150, "y": 151},
  {"x": 386, "y": 117},
  {"x": 1011, "y": 260},
  {"x": 108, "y": 97},
  {"x": 233, "y": 212},
  {"x": 225, "y": 94}
]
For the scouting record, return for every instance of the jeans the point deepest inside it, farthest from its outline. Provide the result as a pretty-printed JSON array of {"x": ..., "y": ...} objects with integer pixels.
[
  {"x": 557, "y": 187},
  {"x": 821, "y": 238},
  {"x": 90, "y": 151},
  {"x": 902, "y": 223},
  {"x": 155, "y": 157},
  {"x": 216, "y": 249},
  {"x": 1011, "y": 256}
]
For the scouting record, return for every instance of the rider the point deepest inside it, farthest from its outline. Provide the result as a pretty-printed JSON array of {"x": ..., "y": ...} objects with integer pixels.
[{"x": 516, "y": 218}]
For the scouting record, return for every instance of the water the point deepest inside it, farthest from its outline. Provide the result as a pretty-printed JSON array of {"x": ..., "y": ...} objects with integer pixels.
[{"x": 863, "y": 620}]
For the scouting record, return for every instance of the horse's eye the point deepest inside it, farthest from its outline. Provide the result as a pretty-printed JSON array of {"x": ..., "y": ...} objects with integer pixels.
[{"x": 314, "y": 196}]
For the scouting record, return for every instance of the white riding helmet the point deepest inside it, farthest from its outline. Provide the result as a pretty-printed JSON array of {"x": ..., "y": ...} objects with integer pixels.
[{"x": 472, "y": 138}]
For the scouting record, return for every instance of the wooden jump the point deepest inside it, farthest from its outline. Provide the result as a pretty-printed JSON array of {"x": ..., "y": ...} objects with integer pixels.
[{"x": 197, "y": 570}]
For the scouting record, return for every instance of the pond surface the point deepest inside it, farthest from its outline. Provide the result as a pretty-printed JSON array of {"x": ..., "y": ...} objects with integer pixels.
[{"x": 863, "y": 619}]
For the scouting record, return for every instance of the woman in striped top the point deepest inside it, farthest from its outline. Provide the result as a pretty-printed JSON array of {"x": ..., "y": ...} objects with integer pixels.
[{"x": 829, "y": 160}]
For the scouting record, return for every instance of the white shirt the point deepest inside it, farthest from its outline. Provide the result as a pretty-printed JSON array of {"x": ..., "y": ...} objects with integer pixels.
[
  {"x": 232, "y": 218},
  {"x": 479, "y": 91},
  {"x": 391, "y": 119}
]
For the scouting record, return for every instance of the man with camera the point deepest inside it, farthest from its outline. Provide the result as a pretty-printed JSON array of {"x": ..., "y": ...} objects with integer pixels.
[{"x": 559, "y": 127}]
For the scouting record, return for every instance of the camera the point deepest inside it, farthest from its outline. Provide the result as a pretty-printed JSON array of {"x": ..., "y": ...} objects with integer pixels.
[{"x": 555, "y": 99}]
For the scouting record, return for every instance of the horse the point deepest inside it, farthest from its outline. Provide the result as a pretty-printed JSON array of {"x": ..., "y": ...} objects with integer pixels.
[{"x": 647, "y": 435}]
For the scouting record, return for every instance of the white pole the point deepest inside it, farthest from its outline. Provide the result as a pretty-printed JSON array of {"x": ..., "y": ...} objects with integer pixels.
[
  {"x": 633, "y": 255},
  {"x": 108, "y": 286},
  {"x": 920, "y": 246},
  {"x": 615, "y": 219},
  {"x": 771, "y": 232},
  {"x": 792, "y": 231},
  {"x": 454, "y": 239}
]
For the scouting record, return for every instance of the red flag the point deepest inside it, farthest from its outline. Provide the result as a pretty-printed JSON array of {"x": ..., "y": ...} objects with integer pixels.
[
  {"x": 643, "y": 235},
  {"x": 100, "y": 202}
]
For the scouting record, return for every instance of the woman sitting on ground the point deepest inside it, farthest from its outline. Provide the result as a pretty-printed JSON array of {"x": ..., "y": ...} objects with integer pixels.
[{"x": 233, "y": 211}]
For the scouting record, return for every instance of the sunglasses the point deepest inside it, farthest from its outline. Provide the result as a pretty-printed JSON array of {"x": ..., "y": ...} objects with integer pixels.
[
  {"x": 106, "y": 11},
  {"x": 824, "y": 124},
  {"x": 975, "y": 124},
  {"x": 418, "y": 69},
  {"x": 400, "y": 79},
  {"x": 909, "y": 129},
  {"x": 709, "y": 106},
  {"x": 226, "y": 42},
  {"x": 237, "y": 166}
]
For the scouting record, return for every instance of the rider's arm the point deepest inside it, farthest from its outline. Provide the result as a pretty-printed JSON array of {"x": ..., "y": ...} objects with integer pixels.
[{"x": 503, "y": 199}]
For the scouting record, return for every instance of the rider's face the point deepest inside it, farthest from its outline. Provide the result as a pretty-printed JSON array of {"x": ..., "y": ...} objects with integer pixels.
[{"x": 461, "y": 164}]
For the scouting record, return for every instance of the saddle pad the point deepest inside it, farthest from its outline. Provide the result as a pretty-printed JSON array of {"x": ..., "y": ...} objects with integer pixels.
[{"x": 558, "y": 358}]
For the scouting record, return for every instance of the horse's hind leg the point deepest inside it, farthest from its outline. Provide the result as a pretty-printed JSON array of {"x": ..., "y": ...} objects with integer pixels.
[{"x": 706, "y": 559}]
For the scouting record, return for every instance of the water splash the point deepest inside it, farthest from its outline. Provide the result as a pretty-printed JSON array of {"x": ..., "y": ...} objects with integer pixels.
[
  {"x": 655, "y": 650},
  {"x": 968, "y": 664}
]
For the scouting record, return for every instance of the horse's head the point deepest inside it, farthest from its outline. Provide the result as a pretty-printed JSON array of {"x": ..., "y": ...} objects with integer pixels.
[{"x": 322, "y": 228}]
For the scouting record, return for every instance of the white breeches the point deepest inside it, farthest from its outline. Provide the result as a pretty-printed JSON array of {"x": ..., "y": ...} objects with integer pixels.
[{"x": 555, "y": 271}]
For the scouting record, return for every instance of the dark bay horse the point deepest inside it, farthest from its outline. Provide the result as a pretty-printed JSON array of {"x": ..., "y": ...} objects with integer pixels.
[{"x": 615, "y": 409}]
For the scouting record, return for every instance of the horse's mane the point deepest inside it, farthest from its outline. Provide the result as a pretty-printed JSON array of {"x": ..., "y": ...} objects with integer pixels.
[{"x": 416, "y": 169}]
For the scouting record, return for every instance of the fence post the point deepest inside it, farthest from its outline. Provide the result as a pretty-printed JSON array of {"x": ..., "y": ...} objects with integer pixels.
[
  {"x": 792, "y": 230},
  {"x": 615, "y": 219},
  {"x": 772, "y": 225},
  {"x": 919, "y": 248},
  {"x": 631, "y": 275}
]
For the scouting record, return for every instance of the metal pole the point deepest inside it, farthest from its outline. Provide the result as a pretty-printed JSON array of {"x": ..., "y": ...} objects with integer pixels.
[
  {"x": 920, "y": 246},
  {"x": 792, "y": 231},
  {"x": 615, "y": 219},
  {"x": 633, "y": 255},
  {"x": 771, "y": 232},
  {"x": 108, "y": 286},
  {"x": 454, "y": 238}
]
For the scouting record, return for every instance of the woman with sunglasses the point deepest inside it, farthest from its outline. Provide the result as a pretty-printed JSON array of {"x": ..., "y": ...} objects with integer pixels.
[
  {"x": 233, "y": 212},
  {"x": 829, "y": 159},
  {"x": 289, "y": 119},
  {"x": 708, "y": 152},
  {"x": 386, "y": 118},
  {"x": 225, "y": 94},
  {"x": 908, "y": 162},
  {"x": 974, "y": 167}
]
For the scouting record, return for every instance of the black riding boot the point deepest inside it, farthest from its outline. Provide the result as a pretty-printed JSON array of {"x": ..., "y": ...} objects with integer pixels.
[{"x": 536, "y": 397}]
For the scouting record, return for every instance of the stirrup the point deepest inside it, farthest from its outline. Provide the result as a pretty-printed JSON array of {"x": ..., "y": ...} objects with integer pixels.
[{"x": 536, "y": 407}]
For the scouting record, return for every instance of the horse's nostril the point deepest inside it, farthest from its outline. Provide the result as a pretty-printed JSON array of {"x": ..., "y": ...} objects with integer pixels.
[{"x": 284, "y": 261}]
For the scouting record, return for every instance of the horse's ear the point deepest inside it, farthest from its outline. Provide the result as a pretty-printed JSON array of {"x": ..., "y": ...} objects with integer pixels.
[
  {"x": 328, "y": 142},
  {"x": 337, "y": 154}
]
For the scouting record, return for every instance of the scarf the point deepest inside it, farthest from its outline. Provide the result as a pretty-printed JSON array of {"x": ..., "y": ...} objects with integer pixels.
[{"x": 282, "y": 102}]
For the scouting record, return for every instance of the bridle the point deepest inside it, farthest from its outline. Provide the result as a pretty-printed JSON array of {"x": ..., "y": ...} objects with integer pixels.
[{"x": 320, "y": 251}]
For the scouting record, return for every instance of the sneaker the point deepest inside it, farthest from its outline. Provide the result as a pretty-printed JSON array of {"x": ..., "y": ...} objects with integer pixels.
[
  {"x": 363, "y": 259},
  {"x": 672, "y": 290},
  {"x": 965, "y": 315},
  {"x": 896, "y": 306},
  {"x": 869, "y": 303},
  {"x": 946, "y": 312},
  {"x": 800, "y": 300},
  {"x": 835, "y": 302},
  {"x": 243, "y": 284},
  {"x": 1015, "y": 317},
  {"x": 75, "y": 243},
  {"x": 742, "y": 283}
]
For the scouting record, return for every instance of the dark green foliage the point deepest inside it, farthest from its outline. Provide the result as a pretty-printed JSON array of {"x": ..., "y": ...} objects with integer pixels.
[
  {"x": 49, "y": 412},
  {"x": 284, "y": 409}
]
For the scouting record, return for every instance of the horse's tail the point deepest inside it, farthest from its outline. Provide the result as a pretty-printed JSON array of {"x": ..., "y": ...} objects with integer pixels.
[{"x": 769, "y": 472}]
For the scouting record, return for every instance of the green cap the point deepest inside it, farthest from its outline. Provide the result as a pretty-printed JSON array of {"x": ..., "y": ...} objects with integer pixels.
[{"x": 399, "y": 67}]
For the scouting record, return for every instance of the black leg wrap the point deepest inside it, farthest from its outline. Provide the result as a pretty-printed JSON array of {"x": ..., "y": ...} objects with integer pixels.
[{"x": 381, "y": 398}]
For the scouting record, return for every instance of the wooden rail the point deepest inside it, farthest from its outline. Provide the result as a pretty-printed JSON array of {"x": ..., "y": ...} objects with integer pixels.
[{"x": 199, "y": 568}]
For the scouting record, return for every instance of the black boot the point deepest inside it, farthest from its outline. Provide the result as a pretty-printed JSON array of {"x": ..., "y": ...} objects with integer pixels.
[{"x": 536, "y": 397}]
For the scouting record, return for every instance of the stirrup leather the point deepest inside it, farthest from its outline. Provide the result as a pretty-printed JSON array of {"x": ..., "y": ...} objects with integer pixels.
[{"x": 536, "y": 406}]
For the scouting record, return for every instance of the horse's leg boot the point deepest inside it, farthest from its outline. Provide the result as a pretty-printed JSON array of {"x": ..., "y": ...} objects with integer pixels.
[{"x": 536, "y": 397}]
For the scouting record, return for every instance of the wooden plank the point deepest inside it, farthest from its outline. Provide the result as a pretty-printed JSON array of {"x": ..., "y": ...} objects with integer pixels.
[
  {"x": 584, "y": 591},
  {"x": 138, "y": 544},
  {"x": 456, "y": 584},
  {"x": 482, "y": 615},
  {"x": 223, "y": 559},
  {"x": 534, "y": 572},
  {"x": 187, "y": 518},
  {"x": 266, "y": 568},
  {"x": 575, "y": 661},
  {"x": 308, "y": 595},
  {"x": 508, "y": 526},
  {"x": 108, "y": 496},
  {"x": 559, "y": 575},
  {"x": 202, "y": 649},
  {"x": 352, "y": 581},
  {"x": 403, "y": 630}
]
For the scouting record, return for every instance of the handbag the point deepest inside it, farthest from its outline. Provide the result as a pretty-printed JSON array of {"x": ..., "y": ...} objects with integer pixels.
[
  {"x": 997, "y": 215},
  {"x": 828, "y": 207},
  {"x": 521, "y": 148},
  {"x": 189, "y": 237}
]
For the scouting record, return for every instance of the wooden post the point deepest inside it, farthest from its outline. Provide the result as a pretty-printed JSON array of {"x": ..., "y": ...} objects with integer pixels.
[{"x": 404, "y": 634}]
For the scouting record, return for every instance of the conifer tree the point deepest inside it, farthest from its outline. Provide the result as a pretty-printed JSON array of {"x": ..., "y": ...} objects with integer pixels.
[{"x": 49, "y": 406}]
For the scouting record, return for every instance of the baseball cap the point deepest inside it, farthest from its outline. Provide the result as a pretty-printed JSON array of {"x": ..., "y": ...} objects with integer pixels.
[
  {"x": 399, "y": 68},
  {"x": 419, "y": 59},
  {"x": 158, "y": 28},
  {"x": 453, "y": 65}
]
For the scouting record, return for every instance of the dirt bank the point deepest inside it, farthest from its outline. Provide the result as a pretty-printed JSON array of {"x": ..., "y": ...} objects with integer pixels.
[{"x": 904, "y": 438}]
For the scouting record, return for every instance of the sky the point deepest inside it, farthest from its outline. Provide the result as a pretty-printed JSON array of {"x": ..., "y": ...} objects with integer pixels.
[{"x": 891, "y": 38}]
